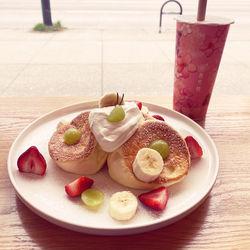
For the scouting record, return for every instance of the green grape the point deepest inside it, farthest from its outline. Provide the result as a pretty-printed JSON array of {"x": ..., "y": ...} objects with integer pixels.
[
  {"x": 117, "y": 114},
  {"x": 161, "y": 146},
  {"x": 72, "y": 136},
  {"x": 92, "y": 197}
]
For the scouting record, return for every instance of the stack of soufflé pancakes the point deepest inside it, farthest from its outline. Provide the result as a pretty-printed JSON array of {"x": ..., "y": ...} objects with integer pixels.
[{"x": 125, "y": 136}]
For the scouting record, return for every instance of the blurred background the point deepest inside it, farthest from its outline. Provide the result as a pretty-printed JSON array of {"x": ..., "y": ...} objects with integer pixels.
[{"x": 109, "y": 45}]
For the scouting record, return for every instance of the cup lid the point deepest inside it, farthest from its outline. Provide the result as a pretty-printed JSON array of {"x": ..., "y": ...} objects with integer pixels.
[{"x": 209, "y": 20}]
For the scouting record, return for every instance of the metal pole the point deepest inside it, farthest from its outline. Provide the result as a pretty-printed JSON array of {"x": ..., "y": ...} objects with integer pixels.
[
  {"x": 46, "y": 12},
  {"x": 162, "y": 12}
]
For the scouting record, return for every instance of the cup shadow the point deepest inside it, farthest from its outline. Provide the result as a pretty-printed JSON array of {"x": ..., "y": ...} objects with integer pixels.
[{"x": 175, "y": 236}]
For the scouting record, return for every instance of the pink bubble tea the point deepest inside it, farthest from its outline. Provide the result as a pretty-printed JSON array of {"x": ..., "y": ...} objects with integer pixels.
[{"x": 199, "y": 47}]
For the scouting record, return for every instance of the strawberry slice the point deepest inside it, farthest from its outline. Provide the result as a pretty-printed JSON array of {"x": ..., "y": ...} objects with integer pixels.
[
  {"x": 155, "y": 199},
  {"x": 139, "y": 104},
  {"x": 76, "y": 187},
  {"x": 32, "y": 161},
  {"x": 158, "y": 117},
  {"x": 194, "y": 148}
]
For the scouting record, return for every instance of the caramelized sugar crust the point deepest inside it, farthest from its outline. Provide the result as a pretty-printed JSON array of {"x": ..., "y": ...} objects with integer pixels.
[
  {"x": 60, "y": 151},
  {"x": 176, "y": 165}
]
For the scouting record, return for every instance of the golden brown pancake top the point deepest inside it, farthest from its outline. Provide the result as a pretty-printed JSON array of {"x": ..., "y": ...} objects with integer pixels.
[
  {"x": 82, "y": 149},
  {"x": 178, "y": 161}
]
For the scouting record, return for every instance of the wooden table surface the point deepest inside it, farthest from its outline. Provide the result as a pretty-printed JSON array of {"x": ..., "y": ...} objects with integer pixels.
[{"x": 221, "y": 222}]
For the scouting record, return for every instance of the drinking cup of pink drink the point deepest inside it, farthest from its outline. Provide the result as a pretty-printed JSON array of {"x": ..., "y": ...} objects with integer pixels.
[{"x": 199, "y": 47}]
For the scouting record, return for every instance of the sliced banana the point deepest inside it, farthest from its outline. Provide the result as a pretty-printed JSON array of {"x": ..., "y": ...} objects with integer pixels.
[
  {"x": 62, "y": 123},
  {"x": 144, "y": 110},
  {"x": 109, "y": 99},
  {"x": 122, "y": 205},
  {"x": 147, "y": 165}
]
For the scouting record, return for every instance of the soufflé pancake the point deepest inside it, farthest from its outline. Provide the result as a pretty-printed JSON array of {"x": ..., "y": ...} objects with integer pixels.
[
  {"x": 175, "y": 166},
  {"x": 85, "y": 156}
]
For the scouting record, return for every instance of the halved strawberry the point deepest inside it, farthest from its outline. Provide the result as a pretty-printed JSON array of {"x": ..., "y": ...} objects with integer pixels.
[
  {"x": 139, "y": 104},
  {"x": 76, "y": 187},
  {"x": 155, "y": 199},
  {"x": 32, "y": 161},
  {"x": 194, "y": 148},
  {"x": 158, "y": 117}
]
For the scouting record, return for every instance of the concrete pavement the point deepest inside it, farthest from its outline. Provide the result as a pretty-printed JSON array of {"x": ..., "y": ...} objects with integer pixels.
[{"x": 107, "y": 46}]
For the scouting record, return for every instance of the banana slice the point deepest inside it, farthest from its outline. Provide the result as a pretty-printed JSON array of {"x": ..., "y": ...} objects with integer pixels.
[
  {"x": 147, "y": 165},
  {"x": 110, "y": 99},
  {"x": 144, "y": 110},
  {"x": 122, "y": 205},
  {"x": 62, "y": 123}
]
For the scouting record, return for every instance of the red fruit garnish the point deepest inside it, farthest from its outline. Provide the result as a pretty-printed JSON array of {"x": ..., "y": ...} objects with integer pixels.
[
  {"x": 158, "y": 117},
  {"x": 76, "y": 187},
  {"x": 32, "y": 161},
  {"x": 155, "y": 199},
  {"x": 139, "y": 104},
  {"x": 194, "y": 148}
]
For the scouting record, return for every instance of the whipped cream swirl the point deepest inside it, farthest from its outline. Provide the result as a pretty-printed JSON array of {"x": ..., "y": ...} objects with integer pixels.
[{"x": 111, "y": 135}]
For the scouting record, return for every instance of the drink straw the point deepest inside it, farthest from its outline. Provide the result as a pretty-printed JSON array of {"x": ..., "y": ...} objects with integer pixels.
[{"x": 201, "y": 10}]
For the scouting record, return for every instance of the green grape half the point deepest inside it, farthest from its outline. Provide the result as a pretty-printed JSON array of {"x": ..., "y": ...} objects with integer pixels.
[
  {"x": 72, "y": 136},
  {"x": 92, "y": 197},
  {"x": 162, "y": 147},
  {"x": 117, "y": 114}
]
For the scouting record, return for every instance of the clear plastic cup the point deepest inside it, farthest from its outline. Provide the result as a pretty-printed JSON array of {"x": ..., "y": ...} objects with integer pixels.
[{"x": 199, "y": 47}]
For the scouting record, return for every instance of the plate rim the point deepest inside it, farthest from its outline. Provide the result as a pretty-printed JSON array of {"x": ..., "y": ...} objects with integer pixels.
[{"x": 119, "y": 229}]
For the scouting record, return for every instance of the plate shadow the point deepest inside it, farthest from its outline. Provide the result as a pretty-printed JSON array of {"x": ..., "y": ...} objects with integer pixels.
[{"x": 178, "y": 235}]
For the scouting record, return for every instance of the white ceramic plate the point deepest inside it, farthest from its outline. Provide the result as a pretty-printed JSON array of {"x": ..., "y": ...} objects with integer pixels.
[{"x": 45, "y": 195}]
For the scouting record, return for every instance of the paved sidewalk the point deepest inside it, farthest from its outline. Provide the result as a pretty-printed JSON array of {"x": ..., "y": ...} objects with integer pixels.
[{"x": 134, "y": 59}]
